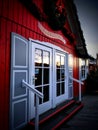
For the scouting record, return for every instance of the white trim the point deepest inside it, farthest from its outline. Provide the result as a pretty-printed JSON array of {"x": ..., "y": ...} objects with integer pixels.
[
  {"x": 70, "y": 71},
  {"x": 63, "y": 97},
  {"x": 14, "y": 53},
  {"x": 13, "y": 94},
  {"x": 82, "y": 62},
  {"x": 47, "y": 44},
  {"x": 54, "y": 50},
  {"x": 47, "y": 105},
  {"x": 12, "y": 125}
]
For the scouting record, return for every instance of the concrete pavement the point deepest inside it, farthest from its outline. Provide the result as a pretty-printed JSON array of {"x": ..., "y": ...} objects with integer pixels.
[{"x": 87, "y": 117}]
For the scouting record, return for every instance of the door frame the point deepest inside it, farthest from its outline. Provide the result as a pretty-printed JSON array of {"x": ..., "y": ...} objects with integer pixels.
[
  {"x": 54, "y": 49},
  {"x": 61, "y": 98},
  {"x": 46, "y": 105}
]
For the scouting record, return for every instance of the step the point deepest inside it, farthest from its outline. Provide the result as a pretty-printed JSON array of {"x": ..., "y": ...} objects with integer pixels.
[
  {"x": 57, "y": 118},
  {"x": 66, "y": 118}
]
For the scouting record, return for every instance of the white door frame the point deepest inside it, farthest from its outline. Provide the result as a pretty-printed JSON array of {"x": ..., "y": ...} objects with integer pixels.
[
  {"x": 55, "y": 49},
  {"x": 48, "y": 104},
  {"x": 63, "y": 97}
]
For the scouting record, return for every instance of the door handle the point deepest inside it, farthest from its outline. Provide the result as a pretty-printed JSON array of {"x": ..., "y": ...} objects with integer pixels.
[{"x": 33, "y": 79}]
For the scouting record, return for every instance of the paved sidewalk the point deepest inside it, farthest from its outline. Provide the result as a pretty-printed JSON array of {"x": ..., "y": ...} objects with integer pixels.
[{"x": 87, "y": 117}]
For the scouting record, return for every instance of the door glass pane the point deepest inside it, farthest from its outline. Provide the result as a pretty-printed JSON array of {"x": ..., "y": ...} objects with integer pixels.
[
  {"x": 42, "y": 73},
  {"x": 62, "y": 74},
  {"x": 46, "y": 56},
  {"x": 40, "y": 90},
  {"x": 38, "y": 76},
  {"x": 46, "y": 93},
  {"x": 38, "y": 57},
  {"x": 58, "y": 75},
  {"x": 63, "y": 88},
  {"x": 58, "y": 61},
  {"x": 46, "y": 76},
  {"x": 58, "y": 89},
  {"x": 62, "y": 61},
  {"x": 70, "y": 80}
]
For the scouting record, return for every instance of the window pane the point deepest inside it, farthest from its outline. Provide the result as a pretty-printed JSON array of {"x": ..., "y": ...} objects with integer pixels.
[
  {"x": 38, "y": 57},
  {"x": 46, "y": 57},
  {"x": 63, "y": 88},
  {"x": 62, "y": 61},
  {"x": 46, "y": 93},
  {"x": 58, "y": 75},
  {"x": 38, "y": 75},
  {"x": 62, "y": 74},
  {"x": 58, "y": 61},
  {"x": 46, "y": 76},
  {"x": 40, "y": 90},
  {"x": 58, "y": 89}
]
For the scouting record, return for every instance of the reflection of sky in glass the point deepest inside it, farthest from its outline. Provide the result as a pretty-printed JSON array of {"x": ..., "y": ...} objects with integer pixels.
[
  {"x": 38, "y": 56},
  {"x": 62, "y": 60},
  {"x": 45, "y": 57}
]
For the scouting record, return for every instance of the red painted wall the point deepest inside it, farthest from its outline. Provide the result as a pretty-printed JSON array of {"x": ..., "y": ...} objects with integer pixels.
[{"x": 14, "y": 17}]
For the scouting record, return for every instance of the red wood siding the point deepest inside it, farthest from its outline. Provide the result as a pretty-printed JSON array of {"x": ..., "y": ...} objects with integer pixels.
[
  {"x": 76, "y": 75},
  {"x": 14, "y": 17}
]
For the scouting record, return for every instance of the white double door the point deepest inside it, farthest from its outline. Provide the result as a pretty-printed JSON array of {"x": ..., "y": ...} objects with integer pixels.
[{"x": 48, "y": 75}]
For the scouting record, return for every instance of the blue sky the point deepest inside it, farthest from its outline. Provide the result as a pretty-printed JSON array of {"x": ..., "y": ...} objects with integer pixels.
[{"x": 88, "y": 17}]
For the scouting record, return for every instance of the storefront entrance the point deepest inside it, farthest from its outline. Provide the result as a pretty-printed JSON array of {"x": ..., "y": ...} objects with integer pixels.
[
  {"x": 48, "y": 75},
  {"x": 44, "y": 67}
]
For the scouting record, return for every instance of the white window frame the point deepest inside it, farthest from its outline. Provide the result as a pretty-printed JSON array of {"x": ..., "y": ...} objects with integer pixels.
[{"x": 83, "y": 62}]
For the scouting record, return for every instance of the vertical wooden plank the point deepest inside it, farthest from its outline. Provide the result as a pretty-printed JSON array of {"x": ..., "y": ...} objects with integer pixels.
[
  {"x": 15, "y": 11},
  {"x": 19, "y": 31},
  {"x": 27, "y": 34},
  {"x": 14, "y": 27},
  {"x": 5, "y": 8},
  {"x": 28, "y": 20},
  {"x": 11, "y": 8},
  {"x": 32, "y": 23},
  {"x": 23, "y": 31},
  {"x": 1, "y": 5},
  {"x": 6, "y": 84},
  {"x": 30, "y": 34},
  {"x": 20, "y": 8},
  {"x": 24, "y": 16},
  {"x": 2, "y": 72}
]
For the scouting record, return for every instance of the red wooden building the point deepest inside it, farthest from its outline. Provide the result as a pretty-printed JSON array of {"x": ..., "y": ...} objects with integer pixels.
[{"x": 41, "y": 42}]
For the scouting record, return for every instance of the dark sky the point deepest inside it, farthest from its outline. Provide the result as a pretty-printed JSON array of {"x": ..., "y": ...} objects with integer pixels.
[{"x": 88, "y": 17}]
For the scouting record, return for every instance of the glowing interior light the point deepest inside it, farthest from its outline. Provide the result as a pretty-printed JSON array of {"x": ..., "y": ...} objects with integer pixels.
[
  {"x": 57, "y": 60},
  {"x": 70, "y": 60}
]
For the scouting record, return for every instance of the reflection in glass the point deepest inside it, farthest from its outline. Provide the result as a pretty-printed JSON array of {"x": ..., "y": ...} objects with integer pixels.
[
  {"x": 62, "y": 74},
  {"x": 46, "y": 56},
  {"x": 38, "y": 75},
  {"x": 70, "y": 80},
  {"x": 40, "y": 90},
  {"x": 38, "y": 57},
  {"x": 58, "y": 89},
  {"x": 46, "y": 93},
  {"x": 58, "y": 61},
  {"x": 70, "y": 62},
  {"x": 63, "y": 88},
  {"x": 62, "y": 61},
  {"x": 58, "y": 75},
  {"x": 46, "y": 76}
]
